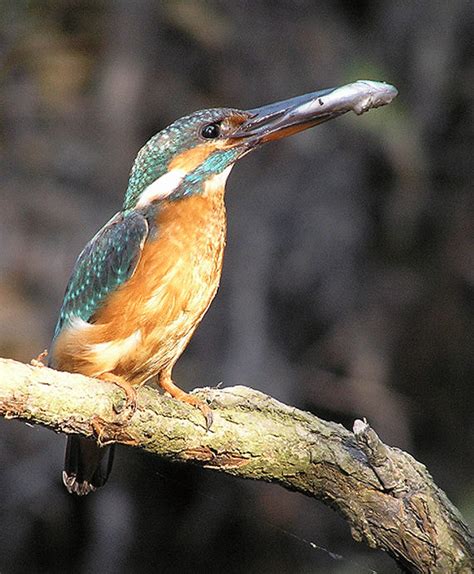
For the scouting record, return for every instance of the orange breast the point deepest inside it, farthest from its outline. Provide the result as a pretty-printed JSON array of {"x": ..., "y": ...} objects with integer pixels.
[{"x": 146, "y": 324}]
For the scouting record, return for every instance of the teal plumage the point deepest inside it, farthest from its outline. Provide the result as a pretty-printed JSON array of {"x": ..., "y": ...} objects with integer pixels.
[
  {"x": 213, "y": 165},
  {"x": 106, "y": 262}
]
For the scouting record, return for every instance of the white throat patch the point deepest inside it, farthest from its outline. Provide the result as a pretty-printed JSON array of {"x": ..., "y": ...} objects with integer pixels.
[
  {"x": 217, "y": 182},
  {"x": 162, "y": 187}
]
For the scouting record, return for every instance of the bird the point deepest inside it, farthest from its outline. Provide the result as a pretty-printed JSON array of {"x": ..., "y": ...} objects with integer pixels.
[{"x": 143, "y": 283}]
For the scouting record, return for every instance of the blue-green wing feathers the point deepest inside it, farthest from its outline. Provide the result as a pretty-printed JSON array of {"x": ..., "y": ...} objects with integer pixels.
[{"x": 107, "y": 261}]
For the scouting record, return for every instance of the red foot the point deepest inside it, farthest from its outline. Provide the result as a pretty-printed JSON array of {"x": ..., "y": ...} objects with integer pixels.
[
  {"x": 130, "y": 392},
  {"x": 167, "y": 385}
]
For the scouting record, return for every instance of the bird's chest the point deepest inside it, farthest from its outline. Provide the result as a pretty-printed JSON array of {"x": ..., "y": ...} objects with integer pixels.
[
  {"x": 176, "y": 279},
  {"x": 180, "y": 270}
]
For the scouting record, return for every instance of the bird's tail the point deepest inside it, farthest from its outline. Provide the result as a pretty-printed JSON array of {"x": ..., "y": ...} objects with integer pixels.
[{"x": 87, "y": 466}]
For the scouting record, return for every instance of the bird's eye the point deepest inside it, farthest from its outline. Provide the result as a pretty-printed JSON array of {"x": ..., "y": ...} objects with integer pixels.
[{"x": 211, "y": 131}]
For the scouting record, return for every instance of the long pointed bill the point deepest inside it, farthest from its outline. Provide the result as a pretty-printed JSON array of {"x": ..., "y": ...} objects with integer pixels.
[{"x": 281, "y": 119}]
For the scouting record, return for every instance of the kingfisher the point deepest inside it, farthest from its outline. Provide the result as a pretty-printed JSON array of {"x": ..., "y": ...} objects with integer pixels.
[{"x": 142, "y": 284}]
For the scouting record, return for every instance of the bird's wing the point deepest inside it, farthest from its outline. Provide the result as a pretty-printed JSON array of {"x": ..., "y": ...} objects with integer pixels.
[{"x": 107, "y": 261}]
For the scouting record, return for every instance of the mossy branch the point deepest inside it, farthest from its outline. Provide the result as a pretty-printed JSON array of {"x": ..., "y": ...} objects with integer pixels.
[{"x": 388, "y": 498}]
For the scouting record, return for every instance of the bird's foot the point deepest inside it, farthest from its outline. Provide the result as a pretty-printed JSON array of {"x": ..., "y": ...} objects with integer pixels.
[
  {"x": 130, "y": 405},
  {"x": 202, "y": 406},
  {"x": 108, "y": 432},
  {"x": 167, "y": 385},
  {"x": 39, "y": 360}
]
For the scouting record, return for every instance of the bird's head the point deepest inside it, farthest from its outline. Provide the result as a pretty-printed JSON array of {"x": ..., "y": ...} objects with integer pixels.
[{"x": 180, "y": 159}]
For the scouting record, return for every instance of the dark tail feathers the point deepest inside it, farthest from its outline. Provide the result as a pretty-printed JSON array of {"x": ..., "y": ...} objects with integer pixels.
[{"x": 87, "y": 465}]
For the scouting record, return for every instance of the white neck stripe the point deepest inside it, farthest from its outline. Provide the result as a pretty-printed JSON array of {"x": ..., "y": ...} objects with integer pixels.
[{"x": 162, "y": 187}]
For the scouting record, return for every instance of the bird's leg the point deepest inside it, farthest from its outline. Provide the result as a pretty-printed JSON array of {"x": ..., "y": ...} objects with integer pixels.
[{"x": 165, "y": 382}]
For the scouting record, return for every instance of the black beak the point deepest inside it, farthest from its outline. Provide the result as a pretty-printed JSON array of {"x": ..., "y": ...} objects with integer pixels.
[{"x": 281, "y": 119}]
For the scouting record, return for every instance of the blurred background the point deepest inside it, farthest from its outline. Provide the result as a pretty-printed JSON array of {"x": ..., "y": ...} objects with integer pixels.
[{"x": 348, "y": 279}]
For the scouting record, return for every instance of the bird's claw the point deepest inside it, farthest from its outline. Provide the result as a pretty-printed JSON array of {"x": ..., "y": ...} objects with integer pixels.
[
  {"x": 168, "y": 386},
  {"x": 202, "y": 406},
  {"x": 130, "y": 405},
  {"x": 208, "y": 414},
  {"x": 39, "y": 360}
]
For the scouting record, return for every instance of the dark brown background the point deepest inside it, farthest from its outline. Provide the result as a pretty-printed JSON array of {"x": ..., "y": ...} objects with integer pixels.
[{"x": 348, "y": 279}]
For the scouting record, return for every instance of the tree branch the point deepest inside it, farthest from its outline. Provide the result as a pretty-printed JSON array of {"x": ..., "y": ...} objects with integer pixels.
[{"x": 388, "y": 498}]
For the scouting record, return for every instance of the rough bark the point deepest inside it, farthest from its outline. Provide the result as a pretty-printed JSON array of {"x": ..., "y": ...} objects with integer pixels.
[{"x": 388, "y": 498}]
